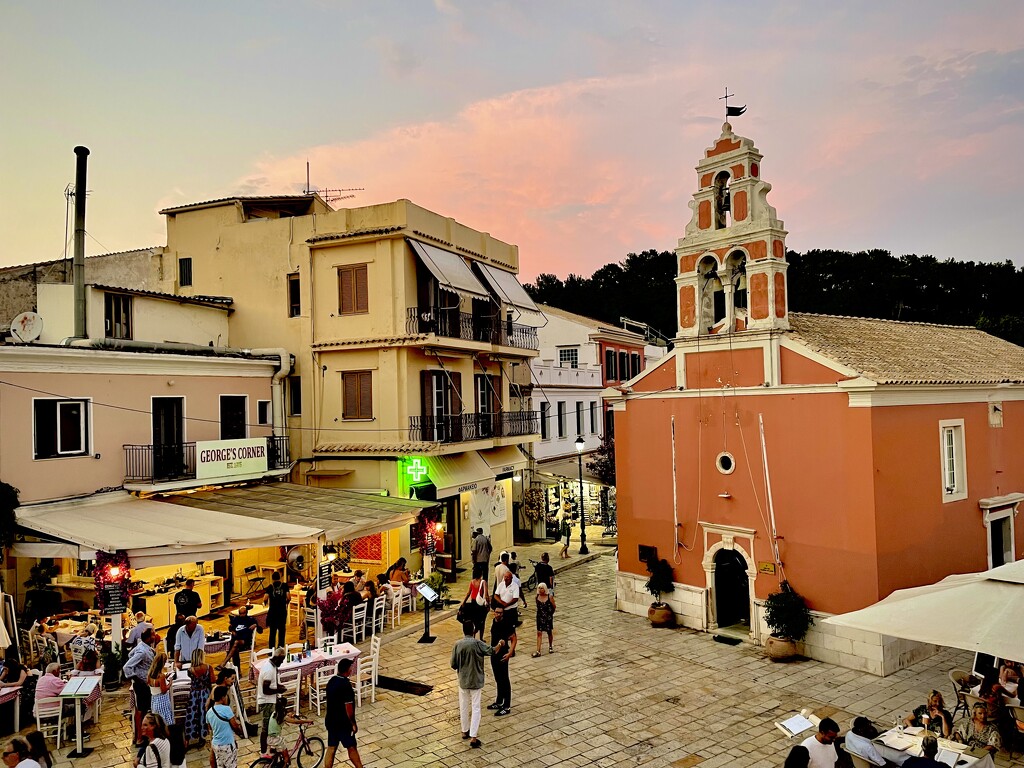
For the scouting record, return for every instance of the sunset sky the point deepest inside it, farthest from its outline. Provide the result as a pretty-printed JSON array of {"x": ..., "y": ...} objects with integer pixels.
[{"x": 569, "y": 128}]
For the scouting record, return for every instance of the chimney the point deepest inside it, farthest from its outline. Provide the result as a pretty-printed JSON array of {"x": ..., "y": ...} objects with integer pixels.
[{"x": 78, "y": 265}]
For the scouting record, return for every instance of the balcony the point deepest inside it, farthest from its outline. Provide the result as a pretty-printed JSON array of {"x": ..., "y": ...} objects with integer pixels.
[
  {"x": 453, "y": 324},
  {"x": 168, "y": 463},
  {"x": 473, "y": 426}
]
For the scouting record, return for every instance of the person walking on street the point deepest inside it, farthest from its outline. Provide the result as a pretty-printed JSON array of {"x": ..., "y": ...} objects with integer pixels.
[
  {"x": 475, "y": 604},
  {"x": 223, "y": 725},
  {"x": 340, "y": 720},
  {"x": 565, "y": 532},
  {"x": 506, "y": 596},
  {"x": 545, "y": 617},
  {"x": 545, "y": 573},
  {"x": 276, "y": 600},
  {"x": 468, "y": 660},
  {"x": 481, "y": 548},
  {"x": 136, "y": 670},
  {"x": 503, "y": 640}
]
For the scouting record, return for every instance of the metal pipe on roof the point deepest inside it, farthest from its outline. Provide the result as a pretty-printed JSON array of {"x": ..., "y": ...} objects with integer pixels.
[{"x": 78, "y": 265}]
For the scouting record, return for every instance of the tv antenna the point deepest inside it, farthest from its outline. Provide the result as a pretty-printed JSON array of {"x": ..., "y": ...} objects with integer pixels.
[{"x": 329, "y": 195}]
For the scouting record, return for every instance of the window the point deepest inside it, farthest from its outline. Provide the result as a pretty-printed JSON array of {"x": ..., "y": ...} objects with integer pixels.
[
  {"x": 545, "y": 414},
  {"x": 185, "y": 271},
  {"x": 233, "y": 420},
  {"x": 295, "y": 395},
  {"x": 954, "y": 461},
  {"x": 264, "y": 412},
  {"x": 441, "y": 403},
  {"x": 358, "y": 395},
  {"x": 610, "y": 373},
  {"x": 294, "y": 300},
  {"x": 353, "y": 296},
  {"x": 634, "y": 364},
  {"x": 569, "y": 358},
  {"x": 61, "y": 428},
  {"x": 579, "y": 418},
  {"x": 593, "y": 417},
  {"x": 117, "y": 315},
  {"x": 561, "y": 418},
  {"x": 623, "y": 365}
]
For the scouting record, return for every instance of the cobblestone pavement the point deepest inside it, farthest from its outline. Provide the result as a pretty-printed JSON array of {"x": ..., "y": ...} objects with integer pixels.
[{"x": 616, "y": 693}]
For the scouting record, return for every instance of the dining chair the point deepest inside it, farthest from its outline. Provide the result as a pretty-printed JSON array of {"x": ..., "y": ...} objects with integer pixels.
[
  {"x": 291, "y": 680},
  {"x": 970, "y": 700},
  {"x": 254, "y": 578},
  {"x": 356, "y": 625},
  {"x": 1015, "y": 729},
  {"x": 180, "y": 691},
  {"x": 395, "y": 608},
  {"x": 379, "y": 611},
  {"x": 50, "y": 718},
  {"x": 960, "y": 679},
  {"x": 295, "y": 648},
  {"x": 365, "y": 677},
  {"x": 375, "y": 653},
  {"x": 310, "y": 619},
  {"x": 255, "y": 656},
  {"x": 316, "y": 686},
  {"x": 296, "y": 606},
  {"x": 859, "y": 762}
]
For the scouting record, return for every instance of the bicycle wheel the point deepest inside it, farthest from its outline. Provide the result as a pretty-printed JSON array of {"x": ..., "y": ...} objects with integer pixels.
[
  {"x": 531, "y": 583},
  {"x": 311, "y": 754},
  {"x": 264, "y": 762}
]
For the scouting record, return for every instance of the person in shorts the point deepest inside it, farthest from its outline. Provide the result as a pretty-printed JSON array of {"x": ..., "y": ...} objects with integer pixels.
[
  {"x": 223, "y": 725},
  {"x": 267, "y": 689},
  {"x": 340, "y": 719}
]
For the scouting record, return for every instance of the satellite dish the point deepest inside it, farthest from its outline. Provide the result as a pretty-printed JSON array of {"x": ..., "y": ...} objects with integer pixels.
[{"x": 26, "y": 327}]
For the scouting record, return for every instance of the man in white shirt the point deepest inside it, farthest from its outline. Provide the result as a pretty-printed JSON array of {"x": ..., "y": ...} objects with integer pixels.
[
  {"x": 858, "y": 742},
  {"x": 507, "y": 596},
  {"x": 822, "y": 745},
  {"x": 267, "y": 690},
  {"x": 141, "y": 625}
]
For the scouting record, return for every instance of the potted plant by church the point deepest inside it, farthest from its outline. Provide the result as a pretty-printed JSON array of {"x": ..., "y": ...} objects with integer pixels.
[
  {"x": 660, "y": 583},
  {"x": 788, "y": 617}
]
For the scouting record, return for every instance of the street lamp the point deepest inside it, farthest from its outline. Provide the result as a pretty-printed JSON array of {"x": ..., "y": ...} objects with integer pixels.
[{"x": 583, "y": 512}]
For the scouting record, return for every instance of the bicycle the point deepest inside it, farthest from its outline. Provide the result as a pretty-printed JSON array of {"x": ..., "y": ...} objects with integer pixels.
[
  {"x": 531, "y": 583},
  {"x": 308, "y": 752}
]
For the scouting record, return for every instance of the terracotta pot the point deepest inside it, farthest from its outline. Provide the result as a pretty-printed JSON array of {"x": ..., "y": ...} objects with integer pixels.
[
  {"x": 660, "y": 615},
  {"x": 780, "y": 648}
]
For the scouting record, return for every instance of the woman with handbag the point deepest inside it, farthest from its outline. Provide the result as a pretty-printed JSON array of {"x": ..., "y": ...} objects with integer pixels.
[
  {"x": 156, "y": 753},
  {"x": 474, "y": 604}
]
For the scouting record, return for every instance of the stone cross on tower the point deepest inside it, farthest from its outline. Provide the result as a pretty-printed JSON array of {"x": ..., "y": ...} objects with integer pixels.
[{"x": 732, "y": 259}]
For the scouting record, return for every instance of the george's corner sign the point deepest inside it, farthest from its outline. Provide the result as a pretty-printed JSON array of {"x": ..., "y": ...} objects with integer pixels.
[{"x": 226, "y": 458}]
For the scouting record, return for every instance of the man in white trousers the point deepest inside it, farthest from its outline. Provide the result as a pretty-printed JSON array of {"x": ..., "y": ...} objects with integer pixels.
[{"x": 468, "y": 660}]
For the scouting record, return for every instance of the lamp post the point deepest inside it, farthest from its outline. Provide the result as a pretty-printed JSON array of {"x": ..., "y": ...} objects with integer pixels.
[{"x": 583, "y": 512}]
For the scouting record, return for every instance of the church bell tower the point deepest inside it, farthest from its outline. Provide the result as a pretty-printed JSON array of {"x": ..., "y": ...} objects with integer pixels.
[{"x": 732, "y": 259}]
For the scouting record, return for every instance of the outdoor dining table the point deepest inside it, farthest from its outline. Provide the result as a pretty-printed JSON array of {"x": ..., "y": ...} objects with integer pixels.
[
  {"x": 308, "y": 664},
  {"x": 214, "y": 645},
  {"x": 897, "y": 745},
  {"x": 258, "y": 612},
  {"x": 67, "y": 631},
  {"x": 77, "y": 689},
  {"x": 13, "y": 693}
]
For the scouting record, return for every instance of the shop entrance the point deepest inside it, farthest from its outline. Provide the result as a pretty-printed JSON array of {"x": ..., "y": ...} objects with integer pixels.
[{"x": 732, "y": 592}]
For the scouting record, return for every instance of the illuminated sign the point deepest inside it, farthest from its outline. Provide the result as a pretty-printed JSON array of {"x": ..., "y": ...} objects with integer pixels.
[{"x": 416, "y": 470}]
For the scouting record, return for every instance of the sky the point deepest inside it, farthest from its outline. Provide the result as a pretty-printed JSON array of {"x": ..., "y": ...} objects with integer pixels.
[{"x": 568, "y": 128}]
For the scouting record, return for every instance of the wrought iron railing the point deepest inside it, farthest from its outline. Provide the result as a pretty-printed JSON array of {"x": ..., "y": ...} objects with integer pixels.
[
  {"x": 165, "y": 463},
  {"x": 453, "y": 324},
  {"x": 473, "y": 426}
]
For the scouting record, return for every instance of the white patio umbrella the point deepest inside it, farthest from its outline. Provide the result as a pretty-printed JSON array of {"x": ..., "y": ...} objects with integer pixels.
[{"x": 981, "y": 612}]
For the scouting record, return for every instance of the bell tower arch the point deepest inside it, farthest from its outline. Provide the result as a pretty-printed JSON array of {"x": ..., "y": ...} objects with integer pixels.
[{"x": 732, "y": 258}]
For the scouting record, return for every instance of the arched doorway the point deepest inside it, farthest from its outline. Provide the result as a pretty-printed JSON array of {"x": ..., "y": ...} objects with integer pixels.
[{"x": 732, "y": 592}]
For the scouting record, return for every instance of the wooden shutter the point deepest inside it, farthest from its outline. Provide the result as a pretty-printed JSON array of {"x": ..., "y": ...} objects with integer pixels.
[
  {"x": 365, "y": 395},
  {"x": 456, "y": 393},
  {"x": 362, "y": 297},
  {"x": 346, "y": 298},
  {"x": 495, "y": 387},
  {"x": 427, "y": 393},
  {"x": 350, "y": 404}
]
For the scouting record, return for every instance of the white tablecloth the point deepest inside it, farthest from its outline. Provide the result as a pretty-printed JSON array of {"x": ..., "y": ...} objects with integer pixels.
[
  {"x": 315, "y": 660},
  {"x": 899, "y": 756}
]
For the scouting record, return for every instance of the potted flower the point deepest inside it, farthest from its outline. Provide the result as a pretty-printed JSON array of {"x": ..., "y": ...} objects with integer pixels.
[
  {"x": 788, "y": 617},
  {"x": 660, "y": 583}
]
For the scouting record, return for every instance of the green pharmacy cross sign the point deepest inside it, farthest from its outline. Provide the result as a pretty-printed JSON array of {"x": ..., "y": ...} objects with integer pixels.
[{"x": 416, "y": 470}]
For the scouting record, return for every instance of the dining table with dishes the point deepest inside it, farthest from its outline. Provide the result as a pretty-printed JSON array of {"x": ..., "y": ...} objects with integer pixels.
[
  {"x": 309, "y": 661},
  {"x": 898, "y": 744}
]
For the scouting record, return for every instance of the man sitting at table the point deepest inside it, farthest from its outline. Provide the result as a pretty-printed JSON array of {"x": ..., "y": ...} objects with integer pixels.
[
  {"x": 190, "y": 638},
  {"x": 141, "y": 625},
  {"x": 241, "y": 634},
  {"x": 49, "y": 685},
  {"x": 929, "y": 749},
  {"x": 822, "y": 745},
  {"x": 858, "y": 741}
]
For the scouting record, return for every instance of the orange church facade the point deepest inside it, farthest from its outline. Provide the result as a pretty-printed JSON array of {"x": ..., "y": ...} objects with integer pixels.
[{"x": 882, "y": 454}]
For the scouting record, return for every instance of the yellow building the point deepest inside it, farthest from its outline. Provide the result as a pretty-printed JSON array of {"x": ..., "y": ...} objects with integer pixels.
[{"x": 404, "y": 326}]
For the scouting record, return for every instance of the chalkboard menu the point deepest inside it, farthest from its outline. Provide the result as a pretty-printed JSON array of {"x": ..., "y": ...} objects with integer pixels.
[
  {"x": 324, "y": 575},
  {"x": 115, "y": 599}
]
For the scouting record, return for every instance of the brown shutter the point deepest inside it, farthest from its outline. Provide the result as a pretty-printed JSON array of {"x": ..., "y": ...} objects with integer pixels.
[
  {"x": 495, "y": 384},
  {"x": 362, "y": 297},
  {"x": 346, "y": 301},
  {"x": 365, "y": 395},
  {"x": 351, "y": 399},
  {"x": 456, "y": 393},
  {"x": 426, "y": 392}
]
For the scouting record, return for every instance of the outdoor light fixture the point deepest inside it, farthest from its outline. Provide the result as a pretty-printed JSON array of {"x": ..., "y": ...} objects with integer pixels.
[
  {"x": 330, "y": 552},
  {"x": 580, "y": 443},
  {"x": 439, "y": 527},
  {"x": 517, "y": 477},
  {"x": 115, "y": 571}
]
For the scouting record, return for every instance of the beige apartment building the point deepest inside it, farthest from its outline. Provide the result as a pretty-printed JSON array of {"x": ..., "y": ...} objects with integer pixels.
[{"x": 404, "y": 326}]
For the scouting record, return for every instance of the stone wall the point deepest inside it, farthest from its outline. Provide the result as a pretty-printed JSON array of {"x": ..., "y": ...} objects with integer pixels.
[{"x": 852, "y": 648}]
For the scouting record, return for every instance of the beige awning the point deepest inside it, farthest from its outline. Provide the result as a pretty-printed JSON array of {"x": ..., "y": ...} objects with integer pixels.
[
  {"x": 510, "y": 291},
  {"x": 505, "y": 460},
  {"x": 452, "y": 272},
  {"x": 458, "y": 472}
]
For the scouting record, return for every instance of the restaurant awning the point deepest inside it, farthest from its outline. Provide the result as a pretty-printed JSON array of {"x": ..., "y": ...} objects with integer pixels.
[
  {"x": 505, "y": 460},
  {"x": 151, "y": 532},
  {"x": 509, "y": 290},
  {"x": 458, "y": 472},
  {"x": 568, "y": 469},
  {"x": 339, "y": 514},
  {"x": 451, "y": 271}
]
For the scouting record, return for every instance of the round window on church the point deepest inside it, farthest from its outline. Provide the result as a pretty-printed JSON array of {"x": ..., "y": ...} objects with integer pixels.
[{"x": 725, "y": 463}]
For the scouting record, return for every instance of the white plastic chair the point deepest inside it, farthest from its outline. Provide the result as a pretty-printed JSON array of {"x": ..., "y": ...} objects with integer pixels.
[
  {"x": 316, "y": 686},
  {"x": 291, "y": 679},
  {"x": 327, "y": 642},
  {"x": 365, "y": 677},
  {"x": 295, "y": 648},
  {"x": 375, "y": 653},
  {"x": 356, "y": 626},
  {"x": 395, "y": 607},
  {"x": 379, "y": 611},
  {"x": 50, "y": 718},
  {"x": 255, "y": 656}
]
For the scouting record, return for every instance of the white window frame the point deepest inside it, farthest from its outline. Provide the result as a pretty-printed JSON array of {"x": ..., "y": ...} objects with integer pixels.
[
  {"x": 952, "y": 460},
  {"x": 270, "y": 413},
  {"x": 593, "y": 417},
  {"x": 570, "y": 355},
  {"x": 997, "y": 516},
  {"x": 562, "y": 419},
  {"x": 545, "y": 415},
  {"x": 85, "y": 422}
]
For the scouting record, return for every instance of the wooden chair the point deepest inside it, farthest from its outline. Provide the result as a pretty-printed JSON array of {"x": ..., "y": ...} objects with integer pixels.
[
  {"x": 50, "y": 718},
  {"x": 291, "y": 679},
  {"x": 375, "y": 653},
  {"x": 961, "y": 684},
  {"x": 316, "y": 686},
  {"x": 365, "y": 677},
  {"x": 295, "y": 648},
  {"x": 296, "y": 606},
  {"x": 255, "y": 656},
  {"x": 355, "y": 628},
  {"x": 379, "y": 611}
]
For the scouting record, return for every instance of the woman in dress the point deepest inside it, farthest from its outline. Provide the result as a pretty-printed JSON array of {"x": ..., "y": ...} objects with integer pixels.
[
  {"x": 932, "y": 716},
  {"x": 545, "y": 618},
  {"x": 156, "y": 750},
  {"x": 978, "y": 732},
  {"x": 476, "y": 599},
  {"x": 160, "y": 691},
  {"x": 14, "y": 672},
  {"x": 200, "y": 675}
]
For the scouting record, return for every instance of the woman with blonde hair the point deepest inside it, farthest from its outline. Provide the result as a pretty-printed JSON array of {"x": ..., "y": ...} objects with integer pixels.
[
  {"x": 201, "y": 683},
  {"x": 156, "y": 749},
  {"x": 545, "y": 618},
  {"x": 160, "y": 689}
]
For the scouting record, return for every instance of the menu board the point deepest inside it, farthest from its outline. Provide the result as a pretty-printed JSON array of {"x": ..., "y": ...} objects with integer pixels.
[
  {"x": 116, "y": 599},
  {"x": 324, "y": 575}
]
